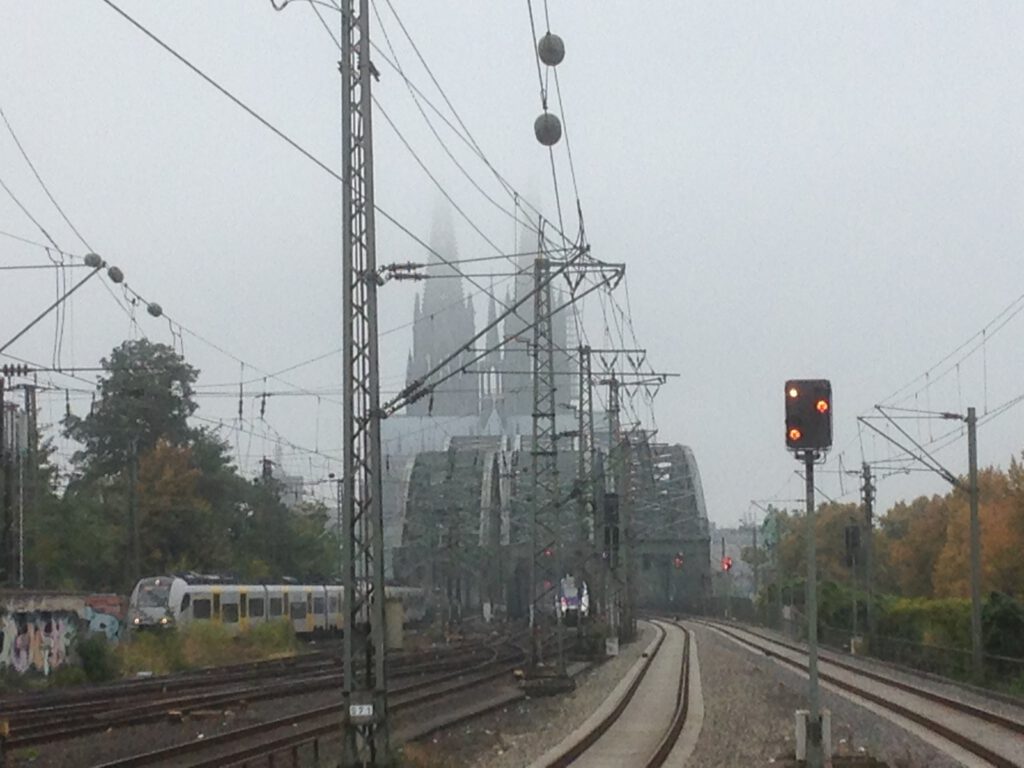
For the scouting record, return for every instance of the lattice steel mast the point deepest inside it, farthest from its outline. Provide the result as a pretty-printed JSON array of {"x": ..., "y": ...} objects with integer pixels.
[
  {"x": 546, "y": 569},
  {"x": 364, "y": 689},
  {"x": 585, "y": 476}
]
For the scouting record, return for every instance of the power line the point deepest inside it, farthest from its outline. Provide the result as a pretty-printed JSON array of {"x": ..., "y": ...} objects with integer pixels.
[
  {"x": 271, "y": 127},
  {"x": 417, "y": 95},
  {"x": 468, "y": 136},
  {"x": 32, "y": 218},
  {"x": 997, "y": 323},
  {"x": 42, "y": 184}
]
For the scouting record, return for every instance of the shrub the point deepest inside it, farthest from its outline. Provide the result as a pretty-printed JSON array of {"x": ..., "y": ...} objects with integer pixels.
[
  {"x": 1002, "y": 624},
  {"x": 944, "y": 622},
  {"x": 99, "y": 660}
]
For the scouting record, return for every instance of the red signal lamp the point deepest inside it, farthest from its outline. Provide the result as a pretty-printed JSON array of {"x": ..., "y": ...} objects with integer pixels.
[
  {"x": 794, "y": 434},
  {"x": 822, "y": 406}
]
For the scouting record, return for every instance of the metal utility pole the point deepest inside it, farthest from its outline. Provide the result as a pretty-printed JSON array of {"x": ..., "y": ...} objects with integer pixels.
[
  {"x": 628, "y": 623},
  {"x": 337, "y": 516},
  {"x": 364, "y": 687},
  {"x": 757, "y": 563},
  {"x": 546, "y": 562},
  {"x": 868, "y": 490},
  {"x": 613, "y": 515},
  {"x": 585, "y": 477},
  {"x": 725, "y": 578},
  {"x": 977, "y": 652},
  {"x": 26, "y": 457},
  {"x": 134, "y": 546},
  {"x": 814, "y": 756},
  {"x": 7, "y": 481},
  {"x": 929, "y": 461}
]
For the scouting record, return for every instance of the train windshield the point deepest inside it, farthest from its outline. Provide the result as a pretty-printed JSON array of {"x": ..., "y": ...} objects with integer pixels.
[{"x": 153, "y": 593}]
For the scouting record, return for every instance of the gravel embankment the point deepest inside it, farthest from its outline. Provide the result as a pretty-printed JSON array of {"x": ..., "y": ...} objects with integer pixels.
[
  {"x": 749, "y": 705},
  {"x": 516, "y": 735}
]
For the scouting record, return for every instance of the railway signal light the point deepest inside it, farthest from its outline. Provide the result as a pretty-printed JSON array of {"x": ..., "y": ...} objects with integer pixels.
[
  {"x": 727, "y": 563},
  {"x": 808, "y": 414},
  {"x": 677, "y": 561}
]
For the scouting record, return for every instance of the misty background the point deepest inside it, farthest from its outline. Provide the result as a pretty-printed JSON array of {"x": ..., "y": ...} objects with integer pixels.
[{"x": 797, "y": 190}]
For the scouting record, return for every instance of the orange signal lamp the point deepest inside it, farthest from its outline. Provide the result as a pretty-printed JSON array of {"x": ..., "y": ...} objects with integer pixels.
[
  {"x": 822, "y": 406},
  {"x": 795, "y": 434}
]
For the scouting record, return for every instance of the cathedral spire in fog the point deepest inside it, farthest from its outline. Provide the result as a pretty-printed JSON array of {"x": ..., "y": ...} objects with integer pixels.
[{"x": 443, "y": 319}]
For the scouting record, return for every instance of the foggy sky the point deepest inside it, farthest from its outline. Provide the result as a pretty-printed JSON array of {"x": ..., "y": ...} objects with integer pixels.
[{"x": 798, "y": 190}]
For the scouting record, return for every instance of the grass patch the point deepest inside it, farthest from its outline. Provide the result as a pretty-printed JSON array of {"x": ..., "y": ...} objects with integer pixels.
[
  {"x": 156, "y": 652},
  {"x": 205, "y": 645}
]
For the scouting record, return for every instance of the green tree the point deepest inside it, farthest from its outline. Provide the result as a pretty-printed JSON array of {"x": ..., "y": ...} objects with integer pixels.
[{"x": 144, "y": 396}]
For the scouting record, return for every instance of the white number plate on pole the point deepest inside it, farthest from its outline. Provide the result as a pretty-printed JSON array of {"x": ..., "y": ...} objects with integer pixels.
[{"x": 360, "y": 713}]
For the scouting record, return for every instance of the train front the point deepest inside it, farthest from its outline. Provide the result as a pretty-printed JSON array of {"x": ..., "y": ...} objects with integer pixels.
[{"x": 150, "y": 605}]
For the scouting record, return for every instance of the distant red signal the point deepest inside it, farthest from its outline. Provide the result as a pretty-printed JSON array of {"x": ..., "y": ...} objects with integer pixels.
[{"x": 726, "y": 563}]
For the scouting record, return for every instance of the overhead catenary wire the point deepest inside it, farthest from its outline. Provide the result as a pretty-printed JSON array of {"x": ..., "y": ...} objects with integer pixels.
[
  {"x": 516, "y": 196},
  {"x": 971, "y": 345},
  {"x": 418, "y": 96},
  {"x": 33, "y": 219},
  {"x": 46, "y": 189},
  {"x": 271, "y": 127}
]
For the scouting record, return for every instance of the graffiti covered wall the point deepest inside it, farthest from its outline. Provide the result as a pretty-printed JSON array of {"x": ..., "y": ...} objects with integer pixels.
[
  {"x": 104, "y": 615},
  {"x": 38, "y": 629},
  {"x": 38, "y": 640}
]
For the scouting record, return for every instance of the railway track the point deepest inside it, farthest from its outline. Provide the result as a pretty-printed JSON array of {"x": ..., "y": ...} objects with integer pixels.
[
  {"x": 51, "y": 718},
  {"x": 311, "y": 727},
  {"x": 994, "y": 737},
  {"x": 642, "y": 726}
]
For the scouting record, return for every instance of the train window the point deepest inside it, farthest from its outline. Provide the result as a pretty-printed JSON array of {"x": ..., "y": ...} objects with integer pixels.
[
  {"x": 333, "y": 604},
  {"x": 230, "y": 613},
  {"x": 216, "y": 605},
  {"x": 318, "y": 605},
  {"x": 243, "y": 606},
  {"x": 186, "y": 601},
  {"x": 298, "y": 610},
  {"x": 309, "y": 602},
  {"x": 276, "y": 606},
  {"x": 201, "y": 608},
  {"x": 256, "y": 607}
]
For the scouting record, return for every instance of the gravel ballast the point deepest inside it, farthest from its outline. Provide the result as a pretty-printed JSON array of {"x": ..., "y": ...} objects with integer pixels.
[
  {"x": 517, "y": 735},
  {"x": 749, "y": 705}
]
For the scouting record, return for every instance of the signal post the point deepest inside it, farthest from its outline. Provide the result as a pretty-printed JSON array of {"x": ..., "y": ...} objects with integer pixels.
[{"x": 809, "y": 436}]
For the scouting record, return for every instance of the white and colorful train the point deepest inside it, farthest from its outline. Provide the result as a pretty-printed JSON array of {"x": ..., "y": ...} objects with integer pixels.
[{"x": 176, "y": 601}]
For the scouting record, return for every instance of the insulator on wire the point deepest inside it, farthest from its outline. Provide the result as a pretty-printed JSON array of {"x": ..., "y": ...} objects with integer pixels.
[
  {"x": 115, "y": 275},
  {"x": 154, "y": 309},
  {"x": 551, "y": 49},
  {"x": 548, "y": 129}
]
